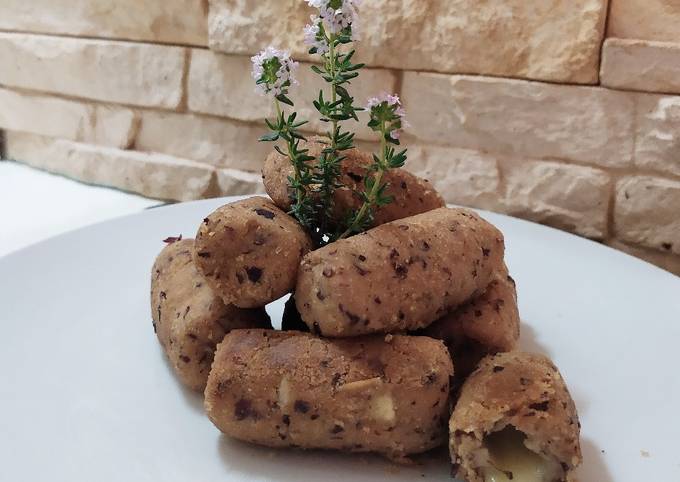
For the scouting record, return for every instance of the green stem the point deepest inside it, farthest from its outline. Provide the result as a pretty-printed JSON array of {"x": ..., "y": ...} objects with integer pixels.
[
  {"x": 334, "y": 92},
  {"x": 377, "y": 179},
  {"x": 278, "y": 108},
  {"x": 299, "y": 191},
  {"x": 329, "y": 159}
]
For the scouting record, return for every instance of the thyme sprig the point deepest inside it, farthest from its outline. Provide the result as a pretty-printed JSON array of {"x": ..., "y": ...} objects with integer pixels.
[
  {"x": 337, "y": 70},
  {"x": 313, "y": 185},
  {"x": 273, "y": 71},
  {"x": 386, "y": 118},
  {"x": 286, "y": 128}
]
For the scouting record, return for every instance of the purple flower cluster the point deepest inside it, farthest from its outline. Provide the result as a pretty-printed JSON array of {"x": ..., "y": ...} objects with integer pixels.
[
  {"x": 273, "y": 71},
  {"x": 388, "y": 107},
  {"x": 334, "y": 17}
]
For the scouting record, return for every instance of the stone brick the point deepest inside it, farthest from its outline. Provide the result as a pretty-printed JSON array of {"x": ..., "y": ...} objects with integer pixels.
[
  {"x": 232, "y": 182},
  {"x": 67, "y": 119},
  {"x": 539, "y": 39},
  {"x": 371, "y": 82},
  {"x": 114, "y": 126},
  {"x": 222, "y": 85},
  {"x": 219, "y": 142},
  {"x": 641, "y": 65},
  {"x": 657, "y": 145},
  {"x": 522, "y": 119},
  {"x": 153, "y": 175},
  {"x": 644, "y": 19},
  {"x": 668, "y": 261},
  {"x": 171, "y": 21},
  {"x": 568, "y": 197},
  {"x": 647, "y": 212},
  {"x": 462, "y": 176},
  {"x": 120, "y": 72},
  {"x": 43, "y": 115}
]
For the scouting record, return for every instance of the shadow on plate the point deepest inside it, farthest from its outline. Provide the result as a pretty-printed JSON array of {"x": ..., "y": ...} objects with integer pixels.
[
  {"x": 580, "y": 399},
  {"x": 193, "y": 399},
  {"x": 287, "y": 465},
  {"x": 242, "y": 460},
  {"x": 528, "y": 340},
  {"x": 594, "y": 467}
]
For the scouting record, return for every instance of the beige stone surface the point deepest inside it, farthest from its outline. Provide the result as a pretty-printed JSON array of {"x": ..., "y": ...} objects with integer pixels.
[
  {"x": 44, "y": 115},
  {"x": 462, "y": 176},
  {"x": 121, "y": 72},
  {"x": 647, "y": 212},
  {"x": 219, "y": 142},
  {"x": 113, "y": 126},
  {"x": 171, "y": 21},
  {"x": 521, "y": 118},
  {"x": 641, "y": 65},
  {"x": 551, "y": 40},
  {"x": 644, "y": 19},
  {"x": 222, "y": 85},
  {"x": 54, "y": 117},
  {"x": 668, "y": 261},
  {"x": 247, "y": 26},
  {"x": 657, "y": 145},
  {"x": 232, "y": 182},
  {"x": 568, "y": 197},
  {"x": 370, "y": 83},
  {"x": 152, "y": 175}
]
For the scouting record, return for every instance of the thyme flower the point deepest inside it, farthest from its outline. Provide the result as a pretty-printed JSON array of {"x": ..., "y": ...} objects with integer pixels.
[
  {"x": 274, "y": 71},
  {"x": 314, "y": 37},
  {"x": 388, "y": 107},
  {"x": 337, "y": 16}
]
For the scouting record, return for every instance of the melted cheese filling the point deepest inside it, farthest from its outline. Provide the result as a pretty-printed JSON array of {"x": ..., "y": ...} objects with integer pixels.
[
  {"x": 284, "y": 393},
  {"x": 511, "y": 461},
  {"x": 382, "y": 408}
]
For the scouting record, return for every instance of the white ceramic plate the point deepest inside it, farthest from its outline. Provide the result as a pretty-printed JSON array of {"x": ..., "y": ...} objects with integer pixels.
[{"x": 86, "y": 394}]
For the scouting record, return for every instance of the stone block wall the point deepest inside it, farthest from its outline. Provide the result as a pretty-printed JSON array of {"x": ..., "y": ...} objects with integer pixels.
[{"x": 565, "y": 112}]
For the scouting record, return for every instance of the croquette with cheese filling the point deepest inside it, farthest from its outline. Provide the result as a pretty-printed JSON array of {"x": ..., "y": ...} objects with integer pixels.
[{"x": 515, "y": 420}]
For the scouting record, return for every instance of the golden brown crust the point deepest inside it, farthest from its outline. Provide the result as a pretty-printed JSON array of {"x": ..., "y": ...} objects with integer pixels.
[
  {"x": 485, "y": 325},
  {"x": 411, "y": 194},
  {"x": 521, "y": 390},
  {"x": 371, "y": 394},
  {"x": 189, "y": 319},
  {"x": 401, "y": 275},
  {"x": 249, "y": 251}
]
